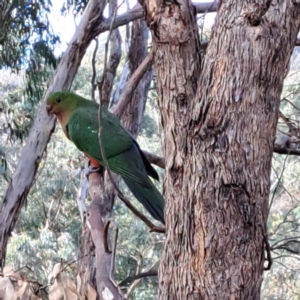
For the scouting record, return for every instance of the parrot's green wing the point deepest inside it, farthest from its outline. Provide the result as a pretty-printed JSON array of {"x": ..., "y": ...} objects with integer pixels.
[{"x": 83, "y": 131}]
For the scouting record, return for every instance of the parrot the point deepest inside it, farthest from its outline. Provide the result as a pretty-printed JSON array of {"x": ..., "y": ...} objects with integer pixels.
[{"x": 78, "y": 118}]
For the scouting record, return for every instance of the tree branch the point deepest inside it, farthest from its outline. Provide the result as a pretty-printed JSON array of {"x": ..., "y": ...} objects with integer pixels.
[
  {"x": 138, "y": 276},
  {"x": 131, "y": 85},
  {"x": 140, "y": 215},
  {"x": 137, "y": 12},
  {"x": 286, "y": 151},
  {"x": 155, "y": 159}
]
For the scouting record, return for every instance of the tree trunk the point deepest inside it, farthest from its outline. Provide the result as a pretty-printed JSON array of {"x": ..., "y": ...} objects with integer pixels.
[{"x": 218, "y": 144}]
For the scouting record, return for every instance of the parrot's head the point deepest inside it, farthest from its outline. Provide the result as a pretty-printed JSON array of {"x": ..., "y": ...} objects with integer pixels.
[{"x": 61, "y": 102}]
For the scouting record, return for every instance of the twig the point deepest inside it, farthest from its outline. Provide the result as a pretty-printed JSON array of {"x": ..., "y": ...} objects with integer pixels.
[
  {"x": 288, "y": 101},
  {"x": 279, "y": 179},
  {"x": 269, "y": 257},
  {"x": 72, "y": 262},
  {"x": 285, "y": 239},
  {"x": 24, "y": 267},
  {"x": 287, "y": 121}
]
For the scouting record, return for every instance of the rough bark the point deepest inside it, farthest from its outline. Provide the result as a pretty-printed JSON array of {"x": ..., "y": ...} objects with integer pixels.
[
  {"x": 43, "y": 126},
  {"x": 218, "y": 144}
]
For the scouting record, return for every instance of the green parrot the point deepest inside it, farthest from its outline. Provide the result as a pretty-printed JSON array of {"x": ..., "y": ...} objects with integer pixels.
[{"x": 79, "y": 120}]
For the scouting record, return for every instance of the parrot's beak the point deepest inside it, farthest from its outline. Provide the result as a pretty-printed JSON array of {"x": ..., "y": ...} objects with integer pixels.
[{"x": 48, "y": 108}]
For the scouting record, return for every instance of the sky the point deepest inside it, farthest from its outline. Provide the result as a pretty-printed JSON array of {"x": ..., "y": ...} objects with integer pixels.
[{"x": 65, "y": 26}]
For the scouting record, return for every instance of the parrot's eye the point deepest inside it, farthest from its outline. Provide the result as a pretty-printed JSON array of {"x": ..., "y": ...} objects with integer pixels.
[{"x": 58, "y": 100}]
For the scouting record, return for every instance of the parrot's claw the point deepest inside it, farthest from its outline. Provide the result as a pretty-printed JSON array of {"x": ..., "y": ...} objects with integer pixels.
[{"x": 92, "y": 169}]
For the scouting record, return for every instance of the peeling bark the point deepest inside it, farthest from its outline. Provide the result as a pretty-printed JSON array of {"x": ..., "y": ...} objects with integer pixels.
[{"x": 219, "y": 141}]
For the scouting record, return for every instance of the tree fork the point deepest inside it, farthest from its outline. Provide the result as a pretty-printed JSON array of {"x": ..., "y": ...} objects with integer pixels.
[{"x": 218, "y": 144}]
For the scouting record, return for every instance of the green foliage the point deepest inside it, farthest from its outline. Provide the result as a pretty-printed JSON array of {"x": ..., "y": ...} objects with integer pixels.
[
  {"x": 23, "y": 23},
  {"x": 27, "y": 43},
  {"x": 78, "y": 6}
]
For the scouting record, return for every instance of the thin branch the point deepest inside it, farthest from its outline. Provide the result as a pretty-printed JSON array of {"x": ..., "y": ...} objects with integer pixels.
[
  {"x": 72, "y": 262},
  {"x": 153, "y": 228},
  {"x": 290, "y": 102},
  {"x": 269, "y": 256},
  {"x": 286, "y": 151},
  {"x": 290, "y": 124},
  {"x": 279, "y": 179},
  {"x": 138, "y": 276},
  {"x": 285, "y": 239},
  {"x": 155, "y": 159}
]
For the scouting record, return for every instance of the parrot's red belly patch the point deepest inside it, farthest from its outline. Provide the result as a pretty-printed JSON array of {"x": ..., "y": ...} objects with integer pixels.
[{"x": 94, "y": 162}]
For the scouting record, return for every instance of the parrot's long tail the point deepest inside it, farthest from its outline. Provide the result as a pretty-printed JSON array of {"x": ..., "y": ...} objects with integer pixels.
[{"x": 150, "y": 197}]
